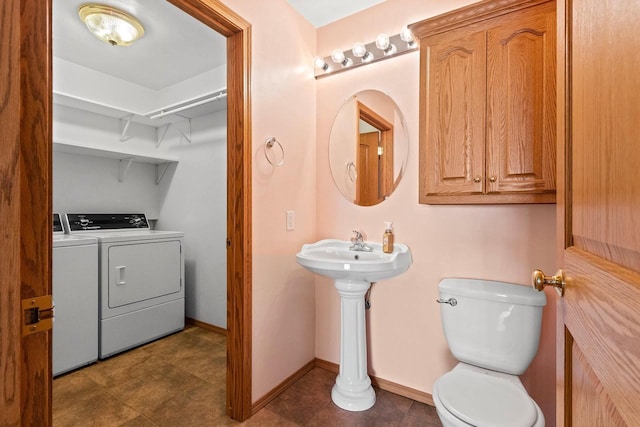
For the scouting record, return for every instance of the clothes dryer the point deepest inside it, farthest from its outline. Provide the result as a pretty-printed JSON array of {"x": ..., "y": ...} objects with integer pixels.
[
  {"x": 75, "y": 296},
  {"x": 141, "y": 279}
]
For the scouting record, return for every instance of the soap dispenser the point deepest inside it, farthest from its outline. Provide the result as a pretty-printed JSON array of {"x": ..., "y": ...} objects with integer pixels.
[{"x": 387, "y": 238}]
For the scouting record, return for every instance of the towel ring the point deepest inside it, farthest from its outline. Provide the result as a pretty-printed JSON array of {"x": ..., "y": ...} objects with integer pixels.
[
  {"x": 268, "y": 144},
  {"x": 352, "y": 173}
]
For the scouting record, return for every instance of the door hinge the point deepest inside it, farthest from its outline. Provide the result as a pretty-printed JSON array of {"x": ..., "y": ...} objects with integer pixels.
[
  {"x": 38, "y": 313},
  {"x": 380, "y": 151}
]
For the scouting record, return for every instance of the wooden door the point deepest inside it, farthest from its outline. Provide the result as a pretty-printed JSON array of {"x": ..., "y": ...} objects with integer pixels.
[
  {"x": 521, "y": 101},
  {"x": 452, "y": 159},
  {"x": 599, "y": 317},
  {"x": 368, "y": 167}
]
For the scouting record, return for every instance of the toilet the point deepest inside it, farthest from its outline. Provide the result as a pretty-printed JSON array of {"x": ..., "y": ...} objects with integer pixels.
[{"x": 493, "y": 330}]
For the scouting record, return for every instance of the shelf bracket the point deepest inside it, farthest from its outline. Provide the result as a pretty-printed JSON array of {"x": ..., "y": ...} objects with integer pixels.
[
  {"x": 161, "y": 169},
  {"x": 123, "y": 168},
  {"x": 161, "y": 132},
  {"x": 187, "y": 137},
  {"x": 124, "y": 127}
]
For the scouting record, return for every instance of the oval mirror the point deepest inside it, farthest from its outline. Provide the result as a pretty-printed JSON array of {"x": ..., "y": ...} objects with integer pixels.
[{"x": 368, "y": 147}]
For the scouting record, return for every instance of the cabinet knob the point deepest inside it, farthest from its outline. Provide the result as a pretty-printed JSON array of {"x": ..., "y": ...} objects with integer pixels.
[
  {"x": 492, "y": 179},
  {"x": 477, "y": 179}
]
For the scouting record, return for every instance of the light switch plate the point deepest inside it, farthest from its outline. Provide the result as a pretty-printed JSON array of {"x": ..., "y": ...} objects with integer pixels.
[{"x": 291, "y": 220}]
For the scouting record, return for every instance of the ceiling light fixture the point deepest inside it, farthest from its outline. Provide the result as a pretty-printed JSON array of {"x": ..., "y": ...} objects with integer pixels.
[
  {"x": 363, "y": 54},
  {"x": 111, "y": 25}
]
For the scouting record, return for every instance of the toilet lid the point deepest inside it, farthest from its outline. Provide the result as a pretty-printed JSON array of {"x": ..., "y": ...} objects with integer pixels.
[{"x": 485, "y": 401}]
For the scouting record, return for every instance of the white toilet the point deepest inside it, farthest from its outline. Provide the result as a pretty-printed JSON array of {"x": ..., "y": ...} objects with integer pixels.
[{"x": 493, "y": 329}]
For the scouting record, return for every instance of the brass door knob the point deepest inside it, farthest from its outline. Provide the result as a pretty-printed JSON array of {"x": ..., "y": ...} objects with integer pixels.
[
  {"x": 539, "y": 281},
  {"x": 477, "y": 179},
  {"x": 493, "y": 179}
]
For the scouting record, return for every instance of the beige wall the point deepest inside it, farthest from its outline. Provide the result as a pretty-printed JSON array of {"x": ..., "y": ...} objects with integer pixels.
[
  {"x": 295, "y": 321},
  {"x": 283, "y": 105},
  {"x": 406, "y": 344}
]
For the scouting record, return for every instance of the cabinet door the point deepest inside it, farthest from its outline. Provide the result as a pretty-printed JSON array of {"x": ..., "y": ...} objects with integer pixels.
[
  {"x": 521, "y": 101},
  {"x": 452, "y": 160}
]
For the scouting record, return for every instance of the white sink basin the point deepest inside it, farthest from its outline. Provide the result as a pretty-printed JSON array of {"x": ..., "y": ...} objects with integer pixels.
[
  {"x": 332, "y": 258},
  {"x": 353, "y": 273}
]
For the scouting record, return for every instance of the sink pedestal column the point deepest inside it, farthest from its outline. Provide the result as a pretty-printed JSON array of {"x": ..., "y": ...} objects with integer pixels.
[{"x": 353, "y": 390}]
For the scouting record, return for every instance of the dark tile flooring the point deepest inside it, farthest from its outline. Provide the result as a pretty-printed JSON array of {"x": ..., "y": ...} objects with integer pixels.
[{"x": 180, "y": 381}]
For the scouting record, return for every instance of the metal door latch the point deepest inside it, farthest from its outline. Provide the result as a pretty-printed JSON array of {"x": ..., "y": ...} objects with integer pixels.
[{"x": 38, "y": 313}]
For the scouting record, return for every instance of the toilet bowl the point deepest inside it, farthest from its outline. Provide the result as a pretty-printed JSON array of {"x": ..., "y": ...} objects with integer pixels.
[
  {"x": 493, "y": 330},
  {"x": 471, "y": 396}
]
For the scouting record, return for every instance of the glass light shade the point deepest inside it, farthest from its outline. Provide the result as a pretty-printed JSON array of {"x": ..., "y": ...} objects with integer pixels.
[
  {"x": 111, "y": 25},
  {"x": 359, "y": 50},
  {"x": 382, "y": 41}
]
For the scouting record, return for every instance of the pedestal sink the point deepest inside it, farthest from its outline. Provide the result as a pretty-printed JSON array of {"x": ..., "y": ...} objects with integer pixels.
[{"x": 353, "y": 273}]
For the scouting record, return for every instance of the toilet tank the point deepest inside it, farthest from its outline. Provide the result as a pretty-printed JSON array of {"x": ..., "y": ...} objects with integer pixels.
[{"x": 494, "y": 325}]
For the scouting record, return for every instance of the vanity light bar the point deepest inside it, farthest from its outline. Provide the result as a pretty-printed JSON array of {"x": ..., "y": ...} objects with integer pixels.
[{"x": 382, "y": 48}]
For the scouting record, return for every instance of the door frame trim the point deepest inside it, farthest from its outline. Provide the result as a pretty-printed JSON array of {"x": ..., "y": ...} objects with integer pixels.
[{"x": 239, "y": 262}]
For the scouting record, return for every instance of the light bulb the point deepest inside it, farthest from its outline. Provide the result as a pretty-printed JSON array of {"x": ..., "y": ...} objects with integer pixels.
[
  {"x": 337, "y": 56},
  {"x": 407, "y": 36},
  {"x": 382, "y": 41},
  {"x": 359, "y": 50},
  {"x": 320, "y": 63}
]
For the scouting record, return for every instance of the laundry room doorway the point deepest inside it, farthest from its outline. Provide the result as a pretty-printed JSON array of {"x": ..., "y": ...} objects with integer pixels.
[{"x": 31, "y": 140}]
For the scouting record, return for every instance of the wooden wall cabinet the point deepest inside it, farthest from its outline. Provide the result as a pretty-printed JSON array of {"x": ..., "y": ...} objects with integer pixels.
[{"x": 488, "y": 104}]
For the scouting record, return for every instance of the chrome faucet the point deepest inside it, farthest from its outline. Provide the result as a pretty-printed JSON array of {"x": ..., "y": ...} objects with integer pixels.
[{"x": 359, "y": 243}]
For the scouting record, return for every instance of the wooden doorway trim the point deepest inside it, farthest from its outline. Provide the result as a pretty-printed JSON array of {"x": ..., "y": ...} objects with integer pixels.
[{"x": 238, "y": 33}]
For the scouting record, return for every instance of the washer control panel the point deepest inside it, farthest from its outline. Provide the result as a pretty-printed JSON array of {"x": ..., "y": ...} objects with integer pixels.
[
  {"x": 57, "y": 224},
  {"x": 93, "y": 222}
]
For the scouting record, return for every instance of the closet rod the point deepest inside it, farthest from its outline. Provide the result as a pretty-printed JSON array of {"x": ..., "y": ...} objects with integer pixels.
[{"x": 186, "y": 107}]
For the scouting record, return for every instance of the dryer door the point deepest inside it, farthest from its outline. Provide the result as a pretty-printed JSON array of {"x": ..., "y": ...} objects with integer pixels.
[{"x": 141, "y": 271}]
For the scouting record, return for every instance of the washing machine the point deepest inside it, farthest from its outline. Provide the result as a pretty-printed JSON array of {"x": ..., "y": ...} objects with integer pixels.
[
  {"x": 140, "y": 279},
  {"x": 75, "y": 296}
]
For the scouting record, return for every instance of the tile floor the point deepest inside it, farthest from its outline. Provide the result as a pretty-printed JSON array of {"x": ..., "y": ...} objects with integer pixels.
[{"x": 180, "y": 381}]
